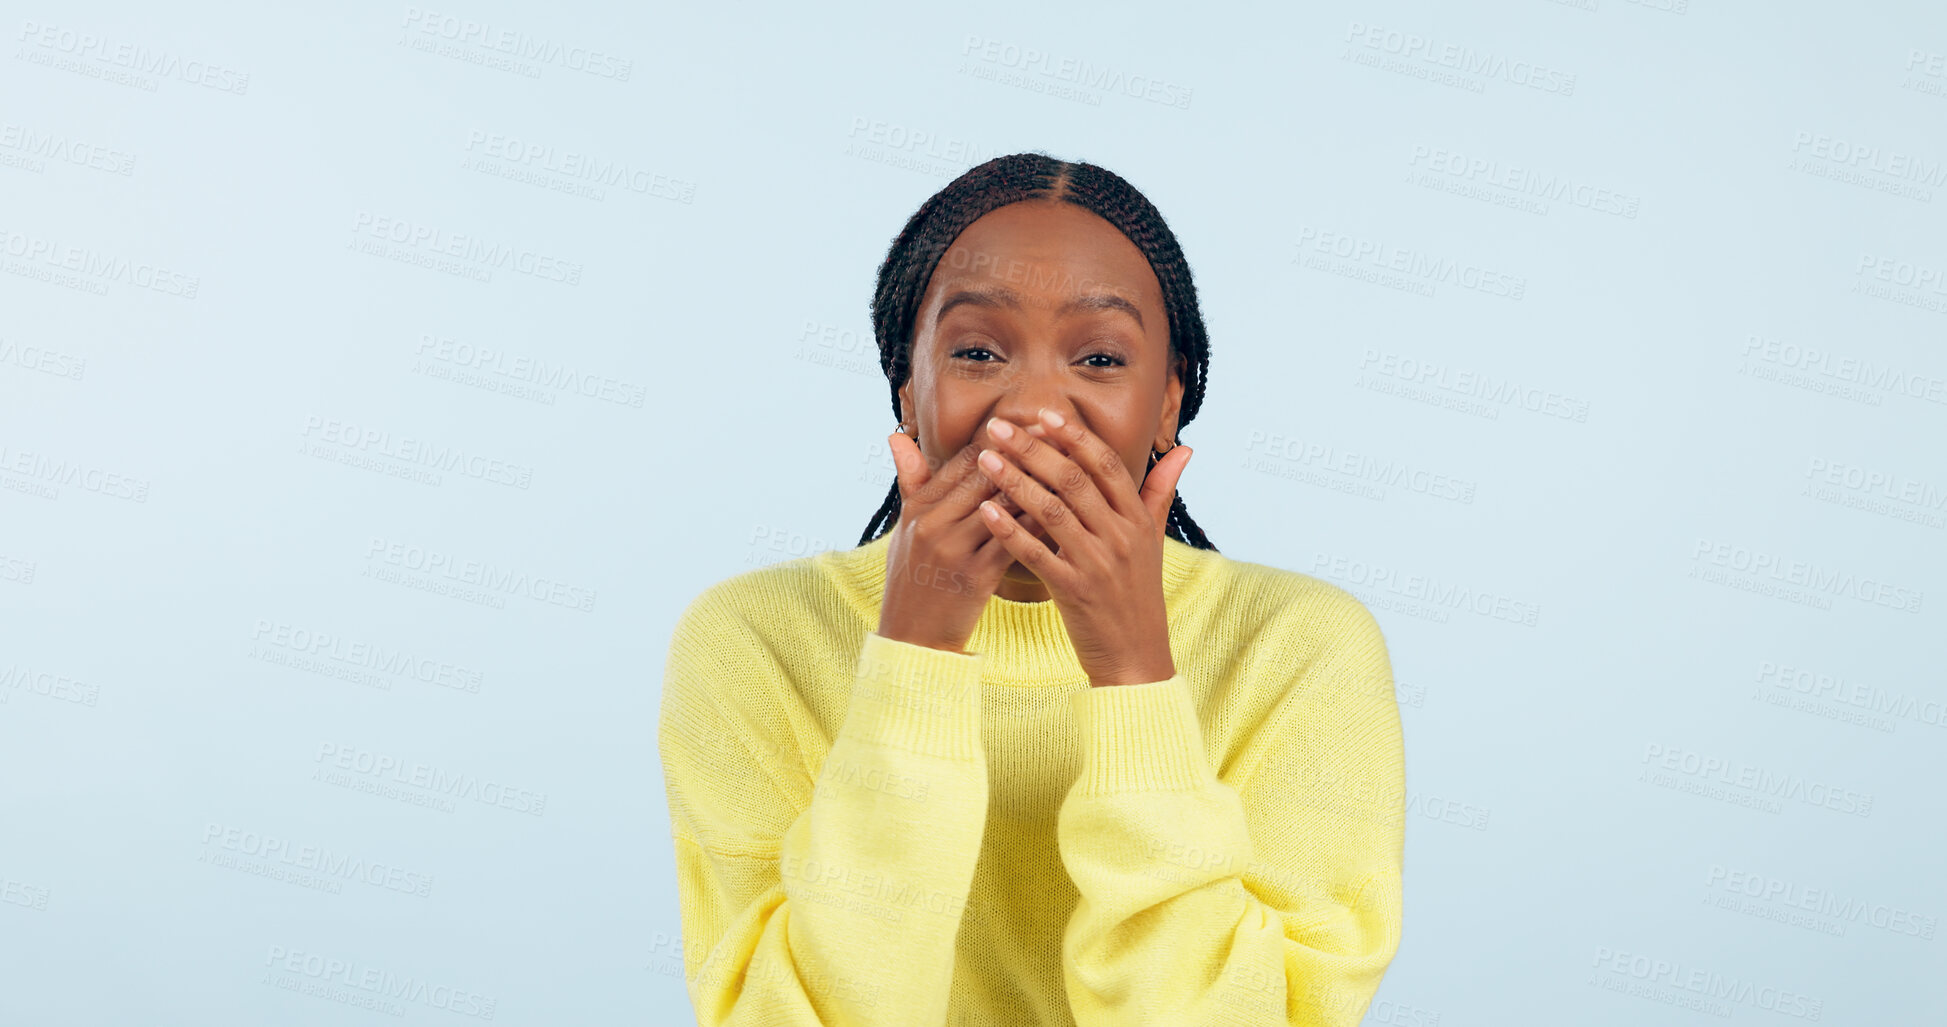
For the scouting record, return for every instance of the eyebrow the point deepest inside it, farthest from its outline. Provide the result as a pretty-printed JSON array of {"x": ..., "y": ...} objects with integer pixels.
[{"x": 1008, "y": 298}]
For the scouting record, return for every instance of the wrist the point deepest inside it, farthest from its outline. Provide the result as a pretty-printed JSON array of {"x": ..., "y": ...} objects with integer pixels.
[
  {"x": 1142, "y": 674},
  {"x": 921, "y": 639}
]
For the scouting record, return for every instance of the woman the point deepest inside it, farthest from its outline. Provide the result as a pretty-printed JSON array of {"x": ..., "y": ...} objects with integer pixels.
[{"x": 1034, "y": 752}]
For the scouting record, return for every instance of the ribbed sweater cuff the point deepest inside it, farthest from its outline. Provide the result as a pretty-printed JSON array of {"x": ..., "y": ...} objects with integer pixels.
[
  {"x": 1139, "y": 738},
  {"x": 917, "y": 698}
]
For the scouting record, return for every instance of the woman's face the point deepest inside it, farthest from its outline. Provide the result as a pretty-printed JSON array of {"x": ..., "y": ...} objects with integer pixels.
[{"x": 1043, "y": 303}]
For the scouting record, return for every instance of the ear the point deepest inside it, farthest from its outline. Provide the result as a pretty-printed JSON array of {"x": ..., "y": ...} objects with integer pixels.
[
  {"x": 906, "y": 399},
  {"x": 1172, "y": 404}
]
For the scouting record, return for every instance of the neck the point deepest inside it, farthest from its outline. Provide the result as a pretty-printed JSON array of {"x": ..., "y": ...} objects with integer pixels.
[
  {"x": 1021, "y": 641},
  {"x": 1021, "y": 586}
]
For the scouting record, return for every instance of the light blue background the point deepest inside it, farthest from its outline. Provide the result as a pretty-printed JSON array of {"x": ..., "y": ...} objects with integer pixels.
[{"x": 168, "y": 535}]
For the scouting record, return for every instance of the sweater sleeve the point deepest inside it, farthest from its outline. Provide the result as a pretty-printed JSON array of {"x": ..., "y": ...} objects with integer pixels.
[
  {"x": 1270, "y": 895},
  {"x": 841, "y": 907}
]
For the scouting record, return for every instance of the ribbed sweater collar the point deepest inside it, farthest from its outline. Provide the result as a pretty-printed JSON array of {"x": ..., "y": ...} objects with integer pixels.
[{"x": 1022, "y": 643}]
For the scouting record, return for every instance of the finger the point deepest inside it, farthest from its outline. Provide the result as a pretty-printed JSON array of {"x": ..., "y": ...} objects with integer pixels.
[
  {"x": 1108, "y": 475},
  {"x": 947, "y": 496},
  {"x": 908, "y": 466},
  {"x": 949, "y": 503},
  {"x": 968, "y": 533},
  {"x": 1022, "y": 545},
  {"x": 916, "y": 471},
  {"x": 931, "y": 482},
  {"x": 991, "y": 557},
  {"x": 1056, "y": 471},
  {"x": 1032, "y": 498},
  {"x": 969, "y": 486},
  {"x": 1159, "y": 487}
]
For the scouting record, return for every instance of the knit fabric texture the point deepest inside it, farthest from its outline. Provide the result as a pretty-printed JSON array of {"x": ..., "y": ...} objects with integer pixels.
[{"x": 869, "y": 832}]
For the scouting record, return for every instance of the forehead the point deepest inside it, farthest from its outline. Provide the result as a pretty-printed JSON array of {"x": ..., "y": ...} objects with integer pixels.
[{"x": 1046, "y": 249}]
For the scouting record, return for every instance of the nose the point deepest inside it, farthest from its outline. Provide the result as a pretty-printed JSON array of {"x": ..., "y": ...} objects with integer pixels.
[
  {"x": 1026, "y": 414},
  {"x": 1028, "y": 395}
]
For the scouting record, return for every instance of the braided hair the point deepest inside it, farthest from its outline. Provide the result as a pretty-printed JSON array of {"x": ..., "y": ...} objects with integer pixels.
[{"x": 939, "y": 221}]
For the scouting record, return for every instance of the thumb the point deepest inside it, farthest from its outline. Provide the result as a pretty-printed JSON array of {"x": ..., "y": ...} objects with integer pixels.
[
  {"x": 909, "y": 465},
  {"x": 1159, "y": 486}
]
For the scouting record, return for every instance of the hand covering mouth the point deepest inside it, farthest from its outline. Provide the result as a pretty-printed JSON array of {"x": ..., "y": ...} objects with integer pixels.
[{"x": 1025, "y": 519}]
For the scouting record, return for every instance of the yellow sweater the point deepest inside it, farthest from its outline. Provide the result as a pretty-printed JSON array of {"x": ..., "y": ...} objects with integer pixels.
[{"x": 871, "y": 832}]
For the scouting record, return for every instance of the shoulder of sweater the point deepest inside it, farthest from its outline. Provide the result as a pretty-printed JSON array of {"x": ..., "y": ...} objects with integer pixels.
[
  {"x": 1301, "y": 640},
  {"x": 771, "y": 589},
  {"x": 1269, "y": 594}
]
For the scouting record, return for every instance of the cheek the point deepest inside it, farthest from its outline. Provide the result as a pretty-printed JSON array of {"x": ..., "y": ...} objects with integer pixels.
[{"x": 952, "y": 422}]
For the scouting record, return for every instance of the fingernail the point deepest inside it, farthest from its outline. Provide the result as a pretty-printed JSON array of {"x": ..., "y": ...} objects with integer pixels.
[
  {"x": 1000, "y": 429},
  {"x": 1054, "y": 419}
]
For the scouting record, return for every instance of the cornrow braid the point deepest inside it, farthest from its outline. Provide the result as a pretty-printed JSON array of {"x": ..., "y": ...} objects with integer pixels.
[{"x": 917, "y": 249}]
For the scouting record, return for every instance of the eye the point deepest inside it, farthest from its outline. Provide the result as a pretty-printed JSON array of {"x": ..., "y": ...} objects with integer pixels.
[{"x": 1110, "y": 358}]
